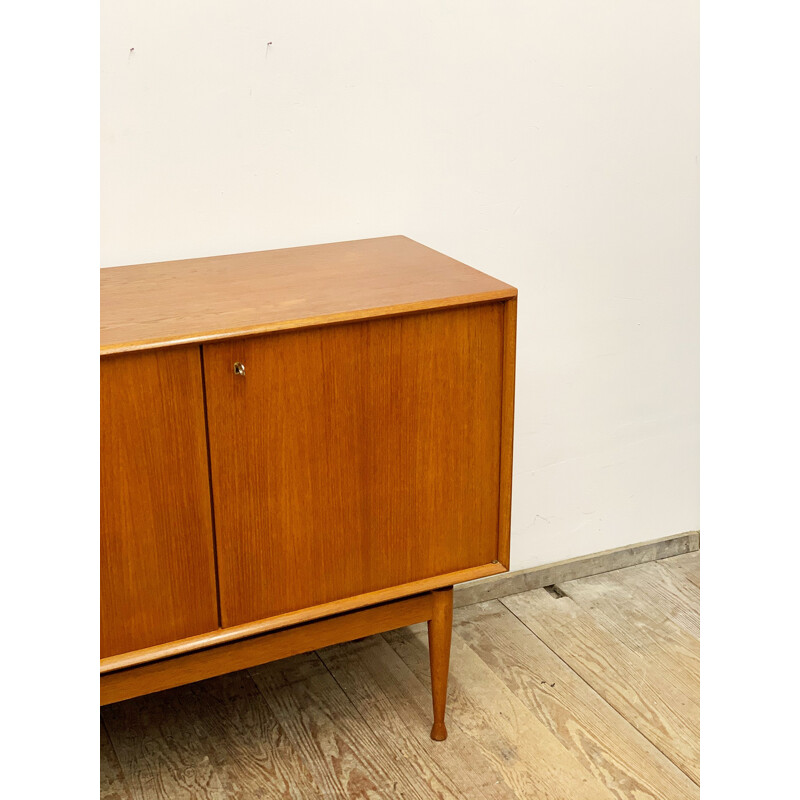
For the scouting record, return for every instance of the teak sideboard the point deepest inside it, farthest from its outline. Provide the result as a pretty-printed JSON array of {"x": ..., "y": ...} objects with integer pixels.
[{"x": 299, "y": 447}]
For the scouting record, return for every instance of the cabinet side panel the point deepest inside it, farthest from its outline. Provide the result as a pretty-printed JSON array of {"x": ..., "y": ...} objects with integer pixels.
[
  {"x": 507, "y": 440},
  {"x": 157, "y": 580},
  {"x": 352, "y": 458}
]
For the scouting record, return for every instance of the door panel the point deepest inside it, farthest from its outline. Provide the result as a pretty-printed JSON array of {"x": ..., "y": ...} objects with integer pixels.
[
  {"x": 157, "y": 580},
  {"x": 354, "y": 457}
]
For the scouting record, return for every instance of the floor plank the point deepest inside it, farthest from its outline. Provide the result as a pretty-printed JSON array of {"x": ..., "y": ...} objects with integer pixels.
[
  {"x": 503, "y": 731},
  {"x": 619, "y": 603},
  {"x": 675, "y": 596},
  {"x": 163, "y": 747},
  {"x": 397, "y": 708},
  {"x": 112, "y": 780},
  {"x": 632, "y": 682},
  {"x": 213, "y": 739},
  {"x": 607, "y": 745},
  {"x": 687, "y": 567},
  {"x": 347, "y": 760},
  {"x": 259, "y": 761}
]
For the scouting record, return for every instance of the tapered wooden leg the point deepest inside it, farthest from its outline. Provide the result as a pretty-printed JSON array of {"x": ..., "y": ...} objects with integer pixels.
[{"x": 440, "y": 629}]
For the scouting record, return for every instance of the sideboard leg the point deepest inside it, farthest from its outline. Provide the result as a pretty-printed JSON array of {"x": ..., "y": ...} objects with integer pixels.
[{"x": 440, "y": 628}]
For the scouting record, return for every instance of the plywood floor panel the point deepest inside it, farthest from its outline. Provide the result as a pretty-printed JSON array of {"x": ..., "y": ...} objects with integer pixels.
[
  {"x": 397, "y": 707},
  {"x": 686, "y": 566},
  {"x": 214, "y": 739},
  {"x": 344, "y": 754},
  {"x": 629, "y": 615},
  {"x": 533, "y": 762},
  {"x": 112, "y": 780},
  {"x": 634, "y": 683},
  {"x": 654, "y": 585},
  {"x": 612, "y": 749}
]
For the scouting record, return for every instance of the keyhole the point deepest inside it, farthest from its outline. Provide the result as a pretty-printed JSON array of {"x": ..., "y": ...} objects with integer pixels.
[{"x": 238, "y": 368}]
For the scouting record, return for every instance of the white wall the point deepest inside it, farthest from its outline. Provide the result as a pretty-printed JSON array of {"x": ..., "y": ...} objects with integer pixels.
[{"x": 551, "y": 144}]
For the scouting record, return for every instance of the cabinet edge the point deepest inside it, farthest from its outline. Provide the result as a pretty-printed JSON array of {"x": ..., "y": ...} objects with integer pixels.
[
  {"x": 356, "y": 315},
  {"x": 224, "y": 635},
  {"x": 263, "y": 648},
  {"x": 507, "y": 431}
]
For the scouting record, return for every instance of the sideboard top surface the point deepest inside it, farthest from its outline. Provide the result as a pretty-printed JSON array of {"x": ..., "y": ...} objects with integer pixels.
[{"x": 145, "y": 306}]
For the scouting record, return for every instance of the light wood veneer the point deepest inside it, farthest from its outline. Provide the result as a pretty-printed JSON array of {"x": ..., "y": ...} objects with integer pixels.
[
  {"x": 156, "y": 547},
  {"x": 220, "y": 297}
]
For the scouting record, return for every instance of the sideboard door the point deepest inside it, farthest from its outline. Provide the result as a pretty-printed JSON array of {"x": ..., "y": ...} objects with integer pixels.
[
  {"x": 157, "y": 580},
  {"x": 354, "y": 457}
]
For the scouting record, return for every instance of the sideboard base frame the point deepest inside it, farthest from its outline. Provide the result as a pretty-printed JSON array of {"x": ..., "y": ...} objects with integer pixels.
[
  {"x": 206, "y": 641},
  {"x": 434, "y": 607}
]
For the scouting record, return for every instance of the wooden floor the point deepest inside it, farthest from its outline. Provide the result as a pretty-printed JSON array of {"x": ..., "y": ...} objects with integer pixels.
[{"x": 584, "y": 691}]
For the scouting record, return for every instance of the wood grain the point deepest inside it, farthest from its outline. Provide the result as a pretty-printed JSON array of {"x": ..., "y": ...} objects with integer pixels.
[
  {"x": 216, "y": 739},
  {"x": 165, "y": 749},
  {"x": 343, "y": 754},
  {"x": 354, "y": 458},
  {"x": 259, "y": 759},
  {"x": 502, "y": 731},
  {"x": 157, "y": 579},
  {"x": 507, "y": 430},
  {"x": 686, "y": 568},
  {"x": 678, "y": 599},
  {"x": 615, "y": 753},
  {"x": 196, "y": 666},
  {"x": 440, "y": 627},
  {"x": 648, "y": 606},
  {"x": 631, "y": 681},
  {"x": 397, "y": 705},
  {"x": 232, "y": 634},
  {"x": 194, "y": 300},
  {"x": 112, "y": 779}
]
